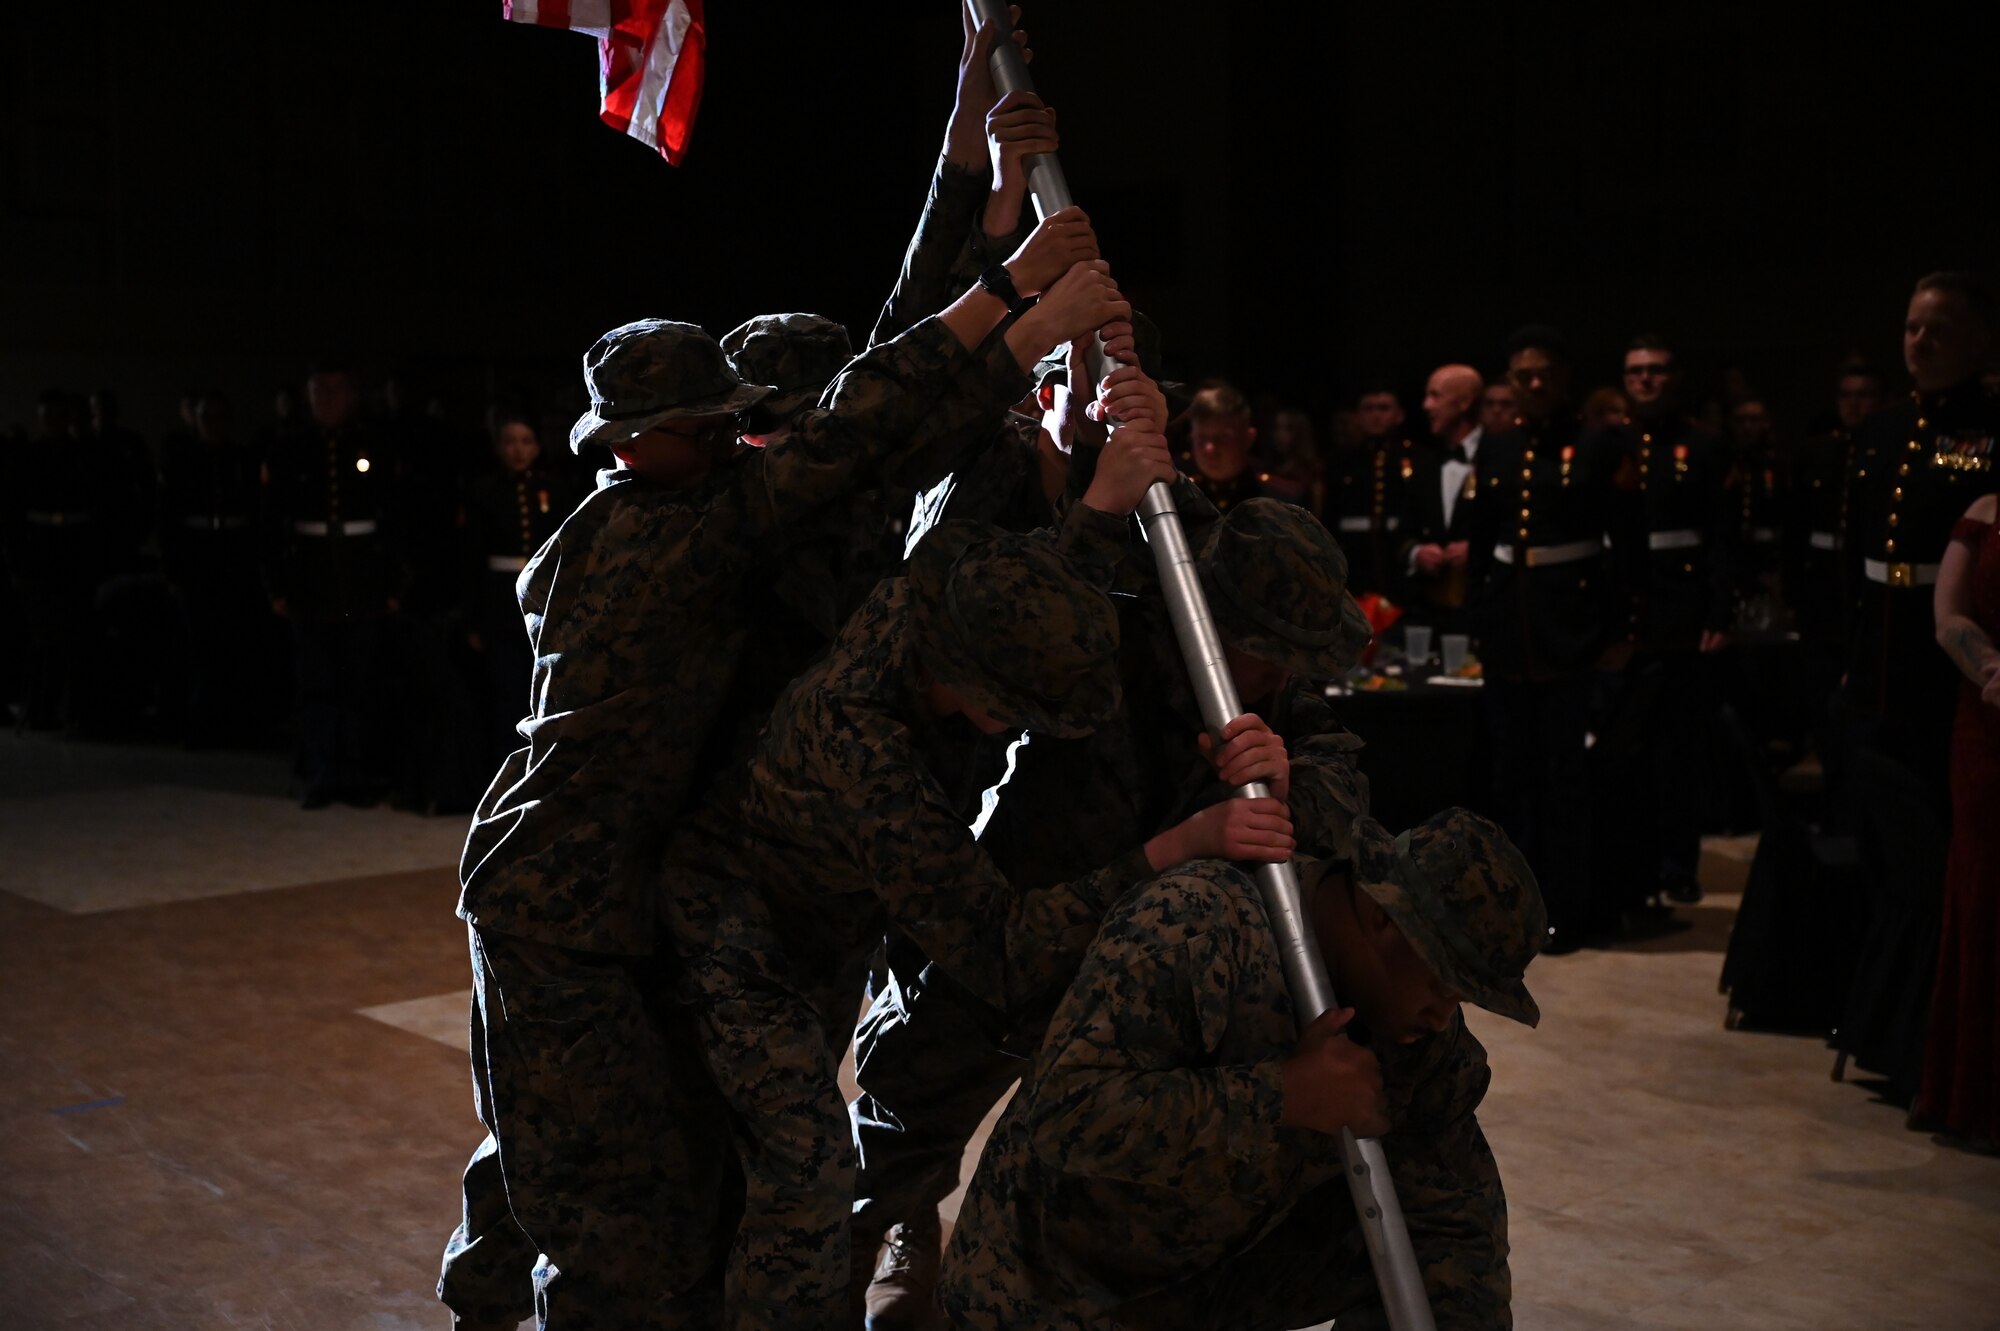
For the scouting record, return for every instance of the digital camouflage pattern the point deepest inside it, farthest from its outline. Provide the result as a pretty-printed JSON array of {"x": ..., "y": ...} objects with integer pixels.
[
  {"x": 947, "y": 252},
  {"x": 781, "y": 888},
  {"x": 615, "y": 1157},
  {"x": 798, "y": 355},
  {"x": 1276, "y": 582},
  {"x": 1002, "y": 484},
  {"x": 1465, "y": 898},
  {"x": 651, "y": 371},
  {"x": 1012, "y": 630},
  {"x": 827, "y": 578},
  {"x": 928, "y": 1064},
  {"x": 636, "y": 615},
  {"x": 641, "y": 611},
  {"x": 1139, "y": 1178}
]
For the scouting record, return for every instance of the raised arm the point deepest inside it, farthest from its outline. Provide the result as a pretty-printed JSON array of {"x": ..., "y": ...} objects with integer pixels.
[
  {"x": 951, "y": 246},
  {"x": 905, "y": 407}
]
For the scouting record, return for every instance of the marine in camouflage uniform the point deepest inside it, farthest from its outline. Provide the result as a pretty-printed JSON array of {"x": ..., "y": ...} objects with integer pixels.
[
  {"x": 779, "y": 890},
  {"x": 927, "y": 1062},
  {"x": 800, "y": 609},
  {"x": 634, "y": 610},
  {"x": 1142, "y": 1178}
]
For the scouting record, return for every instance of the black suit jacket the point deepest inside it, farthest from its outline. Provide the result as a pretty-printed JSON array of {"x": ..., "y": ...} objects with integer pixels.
[{"x": 1435, "y": 598}]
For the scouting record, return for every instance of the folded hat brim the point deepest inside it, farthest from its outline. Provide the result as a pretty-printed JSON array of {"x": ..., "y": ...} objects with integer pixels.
[
  {"x": 591, "y": 428},
  {"x": 1314, "y": 661},
  {"x": 1378, "y": 872}
]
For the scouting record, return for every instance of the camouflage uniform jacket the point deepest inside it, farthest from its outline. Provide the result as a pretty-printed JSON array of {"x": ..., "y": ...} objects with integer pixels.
[
  {"x": 947, "y": 252},
  {"x": 842, "y": 828},
  {"x": 635, "y": 611},
  {"x": 826, "y": 579},
  {"x": 1070, "y": 803},
  {"x": 1142, "y": 1160}
]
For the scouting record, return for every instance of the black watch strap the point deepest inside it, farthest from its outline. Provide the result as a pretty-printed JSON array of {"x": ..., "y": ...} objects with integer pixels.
[{"x": 997, "y": 280}]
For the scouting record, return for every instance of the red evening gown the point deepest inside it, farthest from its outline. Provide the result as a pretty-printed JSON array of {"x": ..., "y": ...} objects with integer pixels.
[{"x": 1961, "y": 1084}]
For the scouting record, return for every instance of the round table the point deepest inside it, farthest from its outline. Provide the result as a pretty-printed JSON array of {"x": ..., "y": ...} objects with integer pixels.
[{"x": 1425, "y": 746}]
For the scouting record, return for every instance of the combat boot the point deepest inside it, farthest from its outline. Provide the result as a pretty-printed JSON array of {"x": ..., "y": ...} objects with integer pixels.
[{"x": 900, "y": 1297}]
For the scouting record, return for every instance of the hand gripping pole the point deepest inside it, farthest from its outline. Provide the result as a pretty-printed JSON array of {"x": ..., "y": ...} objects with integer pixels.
[{"x": 1367, "y": 1169}]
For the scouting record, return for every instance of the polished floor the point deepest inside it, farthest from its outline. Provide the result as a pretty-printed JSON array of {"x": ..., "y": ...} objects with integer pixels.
[{"x": 233, "y": 1090}]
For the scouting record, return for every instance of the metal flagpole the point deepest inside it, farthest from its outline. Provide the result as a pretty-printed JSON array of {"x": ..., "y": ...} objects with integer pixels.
[{"x": 1366, "y": 1167}]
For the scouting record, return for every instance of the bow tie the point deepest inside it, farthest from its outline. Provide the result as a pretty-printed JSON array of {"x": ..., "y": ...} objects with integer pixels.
[{"x": 1458, "y": 454}]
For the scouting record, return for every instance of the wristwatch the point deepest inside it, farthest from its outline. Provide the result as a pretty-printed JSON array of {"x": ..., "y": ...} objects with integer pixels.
[{"x": 997, "y": 280}]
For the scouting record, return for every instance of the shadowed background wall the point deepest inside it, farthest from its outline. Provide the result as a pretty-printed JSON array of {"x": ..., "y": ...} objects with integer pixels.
[{"x": 1304, "y": 196}]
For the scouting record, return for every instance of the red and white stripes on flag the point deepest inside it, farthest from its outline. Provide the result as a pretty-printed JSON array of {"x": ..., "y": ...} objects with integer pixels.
[{"x": 650, "y": 58}]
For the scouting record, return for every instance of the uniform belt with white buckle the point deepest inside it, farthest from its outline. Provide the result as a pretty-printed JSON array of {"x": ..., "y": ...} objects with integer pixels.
[
  {"x": 56, "y": 519},
  {"x": 1543, "y": 556},
  {"x": 359, "y": 527},
  {"x": 1685, "y": 538},
  {"x": 1368, "y": 524},
  {"x": 506, "y": 563},
  {"x": 214, "y": 522},
  {"x": 1900, "y": 575},
  {"x": 1824, "y": 540}
]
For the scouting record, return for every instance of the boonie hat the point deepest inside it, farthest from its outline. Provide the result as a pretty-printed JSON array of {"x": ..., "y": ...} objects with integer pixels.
[
  {"x": 653, "y": 370},
  {"x": 1465, "y": 898},
  {"x": 798, "y": 355},
  {"x": 1277, "y": 587},
  {"x": 1004, "y": 620}
]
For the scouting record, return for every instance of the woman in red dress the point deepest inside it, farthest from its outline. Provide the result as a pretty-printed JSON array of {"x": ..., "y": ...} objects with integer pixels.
[{"x": 1961, "y": 1084}]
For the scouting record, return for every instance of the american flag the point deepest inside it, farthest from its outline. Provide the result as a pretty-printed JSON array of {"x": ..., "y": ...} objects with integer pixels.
[{"x": 650, "y": 56}]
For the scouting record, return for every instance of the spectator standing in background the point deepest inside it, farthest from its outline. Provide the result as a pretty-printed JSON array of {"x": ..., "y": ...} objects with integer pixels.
[
  {"x": 1761, "y": 508},
  {"x": 510, "y": 510},
  {"x": 1960, "y": 1091},
  {"x": 123, "y": 467},
  {"x": 1365, "y": 493},
  {"x": 1671, "y": 556},
  {"x": 1499, "y": 409},
  {"x": 333, "y": 575},
  {"x": 209, "y": 496},
  {"x": 1437, "y": 511},
  {"x": 57, "y": 553},
  {"x": 1295, "y": 456},
  {"x": 1915, "y": 469},
  {"x": 1538, "y": 604},
  {"x": 1221, "y": 434},
  {"x": 1819, "y": 570},
  {"x": 1605, "y": 409}
]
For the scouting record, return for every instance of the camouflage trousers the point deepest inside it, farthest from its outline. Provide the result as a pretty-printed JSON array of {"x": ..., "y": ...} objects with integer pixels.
[
  {"x": 1311, "y": 1268},
  {"x": 929, "y": 1071},
  {"x": 597, "y": 1200},
  {"x": 776, "y": 1059}
]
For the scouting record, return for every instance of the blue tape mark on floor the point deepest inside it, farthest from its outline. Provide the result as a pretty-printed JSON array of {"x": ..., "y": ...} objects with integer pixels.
[{"x": 88, "y": 1105}]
